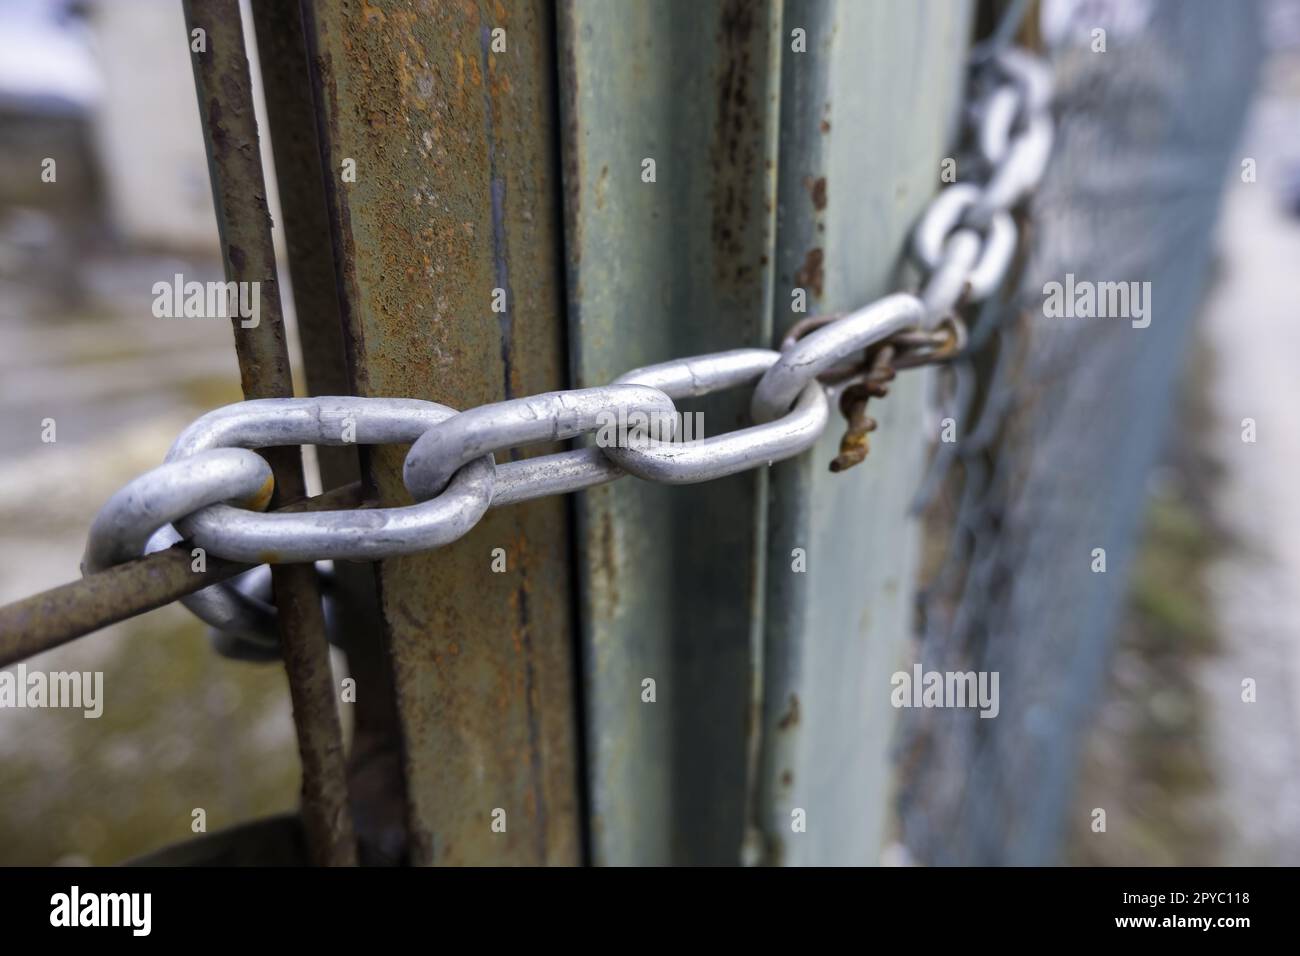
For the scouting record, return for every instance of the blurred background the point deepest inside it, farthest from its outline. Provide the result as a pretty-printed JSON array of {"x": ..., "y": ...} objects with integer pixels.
[
  {"x": 1195, "y": 774},
  {"x": 1175, "y": 163},
  {"x": 1143, "y": 715},
  {"x": 102, "y": 86}
]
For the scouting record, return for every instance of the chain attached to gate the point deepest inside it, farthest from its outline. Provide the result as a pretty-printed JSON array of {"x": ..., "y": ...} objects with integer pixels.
[
  {"x": 880, "y": 362},
  {"x": 963, "y": 243}
]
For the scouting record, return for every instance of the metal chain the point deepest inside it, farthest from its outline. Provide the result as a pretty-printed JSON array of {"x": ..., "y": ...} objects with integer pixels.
[{"x": 212, "y": 488}]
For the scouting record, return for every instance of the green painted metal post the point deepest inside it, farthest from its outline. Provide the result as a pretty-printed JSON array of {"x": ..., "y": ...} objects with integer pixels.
[
  {"x": 770, "y": 686},
  {"x": 670, "y": 112},
  {"x": 867, "y": 114}
]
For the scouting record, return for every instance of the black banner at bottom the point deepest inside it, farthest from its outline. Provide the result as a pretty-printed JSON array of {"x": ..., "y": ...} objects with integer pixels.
[{"x": 340, "y": 907}]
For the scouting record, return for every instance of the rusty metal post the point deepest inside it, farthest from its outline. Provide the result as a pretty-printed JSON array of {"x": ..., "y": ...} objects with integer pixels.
[
  {"x": 224, "y": 86},
  {"x": 375, "y": 781},
  {"x": 437, "y": 132}
]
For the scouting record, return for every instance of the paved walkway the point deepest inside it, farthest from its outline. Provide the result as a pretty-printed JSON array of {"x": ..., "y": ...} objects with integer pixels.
[{"x": 1253, "y": 328}]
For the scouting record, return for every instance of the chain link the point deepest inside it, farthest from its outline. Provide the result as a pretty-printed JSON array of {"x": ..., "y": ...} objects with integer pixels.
[
  {"x": 212, "y": 488},
  {"x": 802, "y": 421}
]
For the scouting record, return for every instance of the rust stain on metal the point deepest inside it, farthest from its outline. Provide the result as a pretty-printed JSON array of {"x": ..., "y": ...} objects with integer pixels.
[
  {"x": 791, "y": 716},
  {"x": 261, "y": 498},
  {"x": 736, "y": 153},
  {"x": 376, "y": 786},
  {"x": 454, "y": 198},
  {"x": 224, "y": 85},
  {"x": 817, "y": 190},
  {"x": 609, "y": 562},
  {"x": 61, "y": 614},
  {"x": 810, "y": 275}
]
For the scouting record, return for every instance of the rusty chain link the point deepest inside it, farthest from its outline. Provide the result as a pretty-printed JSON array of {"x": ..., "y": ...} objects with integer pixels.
[{"x": 963, "y": 245}]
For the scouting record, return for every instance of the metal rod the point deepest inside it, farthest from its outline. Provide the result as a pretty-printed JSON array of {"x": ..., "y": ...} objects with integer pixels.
[
  {"x": 224, "y": 86},
  {"x": 52, "y": 618}
]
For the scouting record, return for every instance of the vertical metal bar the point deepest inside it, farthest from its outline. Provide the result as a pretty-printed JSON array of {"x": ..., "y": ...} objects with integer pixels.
[
  {"x": 224, "y": 87},
  {"x": 449, "y": 126},
  {"x": 867, "y": 113},
  {"x": 376, "y": 784},
  {"x": 286, "y": 85},
  {"x": 678, "y": 264}
]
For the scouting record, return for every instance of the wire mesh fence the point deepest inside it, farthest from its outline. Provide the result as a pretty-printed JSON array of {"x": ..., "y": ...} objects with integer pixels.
[{"x": 1039, "y": 504}]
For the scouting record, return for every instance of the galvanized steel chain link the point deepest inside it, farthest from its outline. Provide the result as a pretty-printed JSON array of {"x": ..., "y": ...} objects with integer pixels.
[{"x": 212, "y": 486}]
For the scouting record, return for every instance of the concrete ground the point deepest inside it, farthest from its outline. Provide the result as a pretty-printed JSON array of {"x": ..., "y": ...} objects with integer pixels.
[
  {"x": 1189, "y": 771},
  {"x": 182, "y": 729},
  {"x": 1253, "y": 328}
]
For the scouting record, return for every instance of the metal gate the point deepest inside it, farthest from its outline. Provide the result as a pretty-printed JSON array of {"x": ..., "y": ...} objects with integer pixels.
[{"x": 658, "y": 675}]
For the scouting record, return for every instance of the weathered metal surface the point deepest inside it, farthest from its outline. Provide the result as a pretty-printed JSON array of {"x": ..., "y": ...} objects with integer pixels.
[
  {"x": 282, "y": 59},
  {"x": 866, "y": 116},
  {"x": 64, "y": 613},
  {"x": 224, "y": 86},
  {"x": 455, "y": 196},
  {"x": 61, "y": 614},
  {"x": 375, "y": 781},
  {"x": 671, "y": 577}
]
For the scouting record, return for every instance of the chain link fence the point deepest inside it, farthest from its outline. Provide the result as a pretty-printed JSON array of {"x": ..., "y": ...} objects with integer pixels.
[{"x": 1061, "y": 419}]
